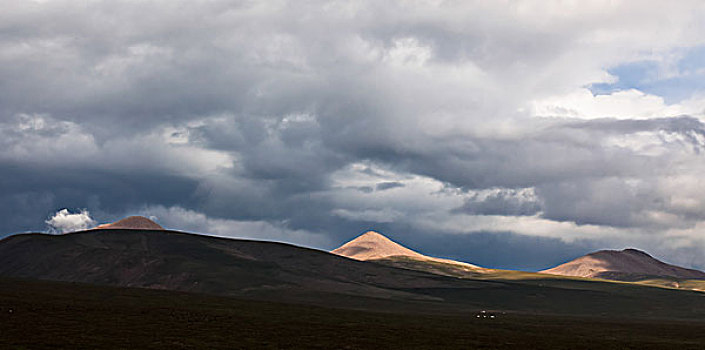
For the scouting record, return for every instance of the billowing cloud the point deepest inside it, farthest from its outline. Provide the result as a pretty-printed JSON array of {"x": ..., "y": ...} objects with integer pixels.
[
  {"x": 64, "y": 221},
  {"x": 310, "y": 123}
]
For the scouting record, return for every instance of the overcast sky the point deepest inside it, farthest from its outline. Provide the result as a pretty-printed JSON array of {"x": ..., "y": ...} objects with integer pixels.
[{"x": 503, "y": 133}]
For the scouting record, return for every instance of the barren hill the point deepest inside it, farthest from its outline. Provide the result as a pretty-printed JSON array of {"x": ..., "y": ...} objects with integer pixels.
[
  {"x": 625, "y": 265},
  {"x": 132, "y": 223},
  {"x": 374, "y": 246}
]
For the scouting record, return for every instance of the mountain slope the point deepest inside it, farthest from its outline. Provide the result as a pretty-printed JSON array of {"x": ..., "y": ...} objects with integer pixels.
[
  {"x": 374, "y": 246},
  {"x": 624, "y": 265}
]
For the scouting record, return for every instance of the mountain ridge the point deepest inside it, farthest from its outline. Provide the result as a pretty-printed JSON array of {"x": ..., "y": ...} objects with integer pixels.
[{"x": 275, "y": 271}]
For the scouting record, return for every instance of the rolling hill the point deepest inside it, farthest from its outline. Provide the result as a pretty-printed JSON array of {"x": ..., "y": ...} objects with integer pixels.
[{"x": 624, "y": 265}]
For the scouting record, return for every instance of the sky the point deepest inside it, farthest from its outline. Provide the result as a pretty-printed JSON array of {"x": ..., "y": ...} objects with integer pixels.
[{"x": 509, "y": 134}]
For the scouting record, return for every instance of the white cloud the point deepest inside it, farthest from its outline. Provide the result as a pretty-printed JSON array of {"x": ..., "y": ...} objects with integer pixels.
[
  {"x": 64, "y": 221},
  {"x": 408, "y": 52},
  {"x": 623, "y": 104}
]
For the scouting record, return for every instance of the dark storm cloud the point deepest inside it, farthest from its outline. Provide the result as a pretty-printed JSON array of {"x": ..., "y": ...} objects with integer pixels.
[
  {"x": 388, "y": 185},
  {"x": 490, "y": 249},
  {"x": 364, "y": 189},
  {"x": 502, "y": 202},
  {"x": 31, "y": 193}
]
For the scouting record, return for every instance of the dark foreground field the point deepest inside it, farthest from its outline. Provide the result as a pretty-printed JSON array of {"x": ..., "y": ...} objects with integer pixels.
[{"x": 51, "y": 315}]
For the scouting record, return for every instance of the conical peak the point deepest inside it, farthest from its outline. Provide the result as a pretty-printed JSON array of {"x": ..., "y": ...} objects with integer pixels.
[
  {"x": 379, "y": 240},
  {"x": 373, "y": 235},
  {"x": 133, "y": 223},
  {"x": 373, "y": 245}
]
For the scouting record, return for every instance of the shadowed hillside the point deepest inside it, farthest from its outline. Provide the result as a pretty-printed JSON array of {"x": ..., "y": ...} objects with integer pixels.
[{"x": 188, "y": 262}]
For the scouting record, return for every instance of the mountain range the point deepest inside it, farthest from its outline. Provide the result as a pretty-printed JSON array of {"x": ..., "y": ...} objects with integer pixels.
[
  {"x": 369, "y": 272},
  {"x": 625, "y": 265}
]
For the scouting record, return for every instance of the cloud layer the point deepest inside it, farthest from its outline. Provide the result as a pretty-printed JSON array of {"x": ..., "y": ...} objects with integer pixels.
[{"x": 310, "y": 123}]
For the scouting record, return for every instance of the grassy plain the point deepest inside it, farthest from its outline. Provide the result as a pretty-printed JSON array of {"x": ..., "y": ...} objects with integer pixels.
[{"x": 59, "y": 315}]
